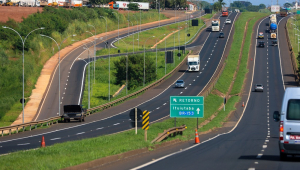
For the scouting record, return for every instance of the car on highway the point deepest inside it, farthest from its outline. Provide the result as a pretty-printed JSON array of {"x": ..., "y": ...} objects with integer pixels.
[
  {"x": 179, "y": 83},
  {"x": 227, "y": 21},
  {"x": 221, "y": 35},
  {"x": 261, "y": 35},
  {"x": 289, "y": 127},
  {"x": 261, "y": 44},
  {"x": 259, "y": 87},
  {"x": 274, "y": 43}
]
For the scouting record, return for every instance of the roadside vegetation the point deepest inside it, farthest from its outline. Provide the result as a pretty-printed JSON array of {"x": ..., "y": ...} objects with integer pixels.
[
  {"x": 171, "y": 36},
  {"x": 66, "y": 154},
  {"x": 59, "y": 24},
  {"x": 292, "y": 31}
]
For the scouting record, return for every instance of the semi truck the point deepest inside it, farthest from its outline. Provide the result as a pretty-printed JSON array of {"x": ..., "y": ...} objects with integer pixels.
[
  {"x": 283, "y": 13},
  {"x": 215, "y": 25},
  {"x": 273, "y": 23},
  {"x": 193, "y": 62},
  {"x": 124, "y": 5}
]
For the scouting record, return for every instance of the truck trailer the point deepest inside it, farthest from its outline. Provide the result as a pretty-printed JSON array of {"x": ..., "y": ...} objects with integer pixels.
[
  {"x": 124, "y": 5},
  {"x": 215, "y": 25}
]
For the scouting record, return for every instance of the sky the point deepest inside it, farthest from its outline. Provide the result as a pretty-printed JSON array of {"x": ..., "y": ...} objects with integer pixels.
[{"x": 266, "y": 2}]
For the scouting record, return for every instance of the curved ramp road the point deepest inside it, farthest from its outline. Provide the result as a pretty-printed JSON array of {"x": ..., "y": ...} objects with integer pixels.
[
  {"x": 116, "y": 119},
  {"x": 253, "y": 142},
  {"x": 72, "y": 67}
]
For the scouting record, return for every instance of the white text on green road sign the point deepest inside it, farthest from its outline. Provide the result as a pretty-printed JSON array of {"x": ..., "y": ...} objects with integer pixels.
[{"x": 187, "y": 106}]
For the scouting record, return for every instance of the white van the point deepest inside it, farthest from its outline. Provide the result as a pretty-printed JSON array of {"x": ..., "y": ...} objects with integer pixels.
[{"x": 289, "y": 127}]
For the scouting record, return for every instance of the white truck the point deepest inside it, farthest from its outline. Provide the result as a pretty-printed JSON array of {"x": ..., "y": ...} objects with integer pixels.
[
  {"x": 124, "y": 5},
  {"x": 193, "y": 62},
  {"x": 215, "y": 25}
]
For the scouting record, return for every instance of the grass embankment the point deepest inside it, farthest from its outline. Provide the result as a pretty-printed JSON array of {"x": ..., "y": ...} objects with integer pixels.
[
  {"x": 292, "y": 36},
  {"x": 233, "y": 56},
  {"x": 172, "y": 38},
  {"x": 59, "y": 23},
  {"x": 72, "y": 153}
]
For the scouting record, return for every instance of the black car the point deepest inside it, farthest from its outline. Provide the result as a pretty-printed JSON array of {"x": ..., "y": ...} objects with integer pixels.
[
  {"x": 274, "y": 43},
  {"x": 261, "y": 44},
  {"x": 221, "y": 35}
]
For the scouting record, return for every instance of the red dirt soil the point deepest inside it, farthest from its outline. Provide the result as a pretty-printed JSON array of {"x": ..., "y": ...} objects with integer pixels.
[{"x": 17, "y": 13}]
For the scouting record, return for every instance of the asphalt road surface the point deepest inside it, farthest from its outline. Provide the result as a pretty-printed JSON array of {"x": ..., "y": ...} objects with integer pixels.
[{"x": 253, "y": 143}]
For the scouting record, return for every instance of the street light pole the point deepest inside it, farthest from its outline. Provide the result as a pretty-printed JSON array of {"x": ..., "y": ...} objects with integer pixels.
[
  {"x": 132, "y": 37},
  {"x": 126, "y": 67},
  {"x": 106, "y": 30},
  {"x": 94, "y": 48},
  {"x": 58, "y": 46},
  {"x": 145, "y": 59},
  {"x": 23, "y": 43},
  {"x": 165, "y": 55},
  {"x": 118, "y": 25}
]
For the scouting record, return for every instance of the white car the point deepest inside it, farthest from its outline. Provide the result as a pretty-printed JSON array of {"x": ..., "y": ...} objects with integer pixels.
[{"x": 227, "y": 21}]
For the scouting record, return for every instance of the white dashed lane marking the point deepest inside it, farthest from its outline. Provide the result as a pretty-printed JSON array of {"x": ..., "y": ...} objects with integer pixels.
[
  {"x": 24, "y": 144},
  {"x": 259, "y": 155},
  {"x": 80, "y": 133},
  {"x": 55, "y": 138},
  {"x": 164, "y": 103},
  {"x": 102, "y": 127},
  {"x": 116, "y": 124}
]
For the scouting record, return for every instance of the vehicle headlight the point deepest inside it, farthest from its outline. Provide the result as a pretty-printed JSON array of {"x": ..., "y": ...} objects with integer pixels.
[{"x": 78, "y": 114}]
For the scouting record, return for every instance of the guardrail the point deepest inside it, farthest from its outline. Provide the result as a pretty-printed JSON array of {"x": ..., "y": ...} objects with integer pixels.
[
  {"x": 16, "y": 128},
  {"x": 175, "y": 131}
]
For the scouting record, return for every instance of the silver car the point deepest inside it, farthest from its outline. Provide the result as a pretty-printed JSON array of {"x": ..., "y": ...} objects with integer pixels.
[
  {"x": 259, "y": 87},
  {"x": 179, "y": 83}
]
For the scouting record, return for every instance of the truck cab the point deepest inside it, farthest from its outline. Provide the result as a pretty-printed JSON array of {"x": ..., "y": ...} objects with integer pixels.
[{"x": 193, "y": 63}]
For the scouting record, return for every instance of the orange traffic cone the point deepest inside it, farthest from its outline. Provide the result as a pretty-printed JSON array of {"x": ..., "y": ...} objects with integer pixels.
[
  {"x": 243, "y": 105},
  {"x": 43, "y": 144},
  {"x": 196, "y": 137}
]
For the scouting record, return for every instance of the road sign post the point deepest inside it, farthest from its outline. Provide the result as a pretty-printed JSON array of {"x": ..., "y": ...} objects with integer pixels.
[
  {"x": 145, "y": 122},
  {"x": 135, "y": 120},
  {"x": 135, "y": 115}
]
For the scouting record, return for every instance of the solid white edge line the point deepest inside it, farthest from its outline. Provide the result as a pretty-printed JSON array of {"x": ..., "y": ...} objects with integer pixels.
[
  {"x": 280, "y": 56},
  {"x": 82, "y": 81}
]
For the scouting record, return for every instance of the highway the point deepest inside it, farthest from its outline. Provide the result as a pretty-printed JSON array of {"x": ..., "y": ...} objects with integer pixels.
[
  {"x": 116, "y": 119},
  {"x": 253, "y": 142}
]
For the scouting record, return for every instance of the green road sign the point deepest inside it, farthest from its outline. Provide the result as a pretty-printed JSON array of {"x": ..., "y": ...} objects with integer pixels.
[
  {"x": 288, "y": 8},
  {"x": 187, "y": 106},
  {"x": 298, "y": 11}
]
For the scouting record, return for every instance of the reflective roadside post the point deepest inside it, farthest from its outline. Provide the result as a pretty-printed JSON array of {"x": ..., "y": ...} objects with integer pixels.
[
  {"x": 144, "y": 59},
  {"x": 23, "y": 43},
  {"x": 165, "y": 55}
]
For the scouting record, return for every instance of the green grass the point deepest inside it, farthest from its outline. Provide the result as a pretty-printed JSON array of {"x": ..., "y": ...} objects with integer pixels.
[
  {"x": 243, "y": 64},
  {"x": 233, "y": 56},
  {"x": 293, "y": 38},
  {"x": 76, "y": 152},
  {"x": 160, "y": 33}
]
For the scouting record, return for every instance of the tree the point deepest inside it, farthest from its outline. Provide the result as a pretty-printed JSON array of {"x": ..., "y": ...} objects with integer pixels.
[
  {"x": 287, "y": 5},
  {"x": 222, "y": 2},
  {"x": 253, "y": 8},
  {"x": 262, "y": 6},
  {"x": 237, "y": 4},
  {"x": 135, "y": 70},
  {"x": 217, "y": 6},
  {"x": 133, "y": 6}
]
